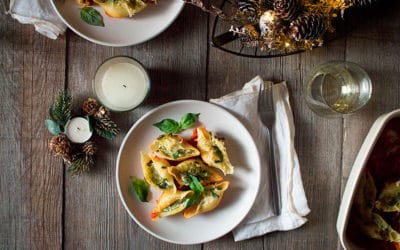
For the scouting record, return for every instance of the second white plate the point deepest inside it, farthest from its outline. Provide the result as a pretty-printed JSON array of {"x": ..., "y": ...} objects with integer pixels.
[
  {"x": 120, "y": 32},
  {"x": 237, "y": 200}
]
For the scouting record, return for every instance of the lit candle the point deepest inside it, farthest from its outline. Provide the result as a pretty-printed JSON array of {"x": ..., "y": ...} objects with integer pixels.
[
  {"x": 121, "y": 83},
  {"x": 78, "y": 130}
]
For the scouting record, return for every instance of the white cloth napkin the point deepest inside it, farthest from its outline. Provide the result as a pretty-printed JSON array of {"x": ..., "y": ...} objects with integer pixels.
[
  {"x": 41, "y": 14},
  {"x": 261, "y": 219}
]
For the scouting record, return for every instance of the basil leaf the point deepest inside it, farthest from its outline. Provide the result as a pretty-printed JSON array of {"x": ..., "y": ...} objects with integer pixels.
[
  {"x": 53, "y": 127},
  {"x": 193, "y": 199},
  {"x": 168, "y": 126},
  {"x": 188, "y": 120},
  {"x": 91, "y": 16},
  {"x": 195, "y": 184},
  {"x": 141, "y": 189}
]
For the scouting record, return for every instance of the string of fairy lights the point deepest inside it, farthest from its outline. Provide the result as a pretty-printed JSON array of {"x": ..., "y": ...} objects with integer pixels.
[{"x": 283, "y": 25}]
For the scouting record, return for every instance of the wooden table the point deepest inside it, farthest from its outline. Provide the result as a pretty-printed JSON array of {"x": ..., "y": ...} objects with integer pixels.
[{"x": 42, "y": 207}]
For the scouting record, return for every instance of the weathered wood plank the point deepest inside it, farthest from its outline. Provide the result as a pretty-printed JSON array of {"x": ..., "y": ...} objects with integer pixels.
[
  {"x": 318, "y": 144},
  {"x": 94, "y": 215},
  {"x": 374, "y": 45},
  {"x": 31, "y": 70}
]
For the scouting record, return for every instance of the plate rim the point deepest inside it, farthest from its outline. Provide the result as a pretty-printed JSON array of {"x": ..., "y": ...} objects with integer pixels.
[
  {"x": 96, "y": 41},
  {"x": 124, "y": 141}
]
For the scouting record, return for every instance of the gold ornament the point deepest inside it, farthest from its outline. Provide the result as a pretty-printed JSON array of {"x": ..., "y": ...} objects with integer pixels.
[{"x": 102, "y": 112}]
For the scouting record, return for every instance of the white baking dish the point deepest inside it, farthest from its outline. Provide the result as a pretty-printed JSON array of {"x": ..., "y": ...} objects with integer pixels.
[{"x": 358, "y": 166}]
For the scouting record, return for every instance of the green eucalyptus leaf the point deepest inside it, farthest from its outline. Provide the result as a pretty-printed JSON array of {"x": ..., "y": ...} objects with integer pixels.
[
  {"x": 168, "y": 126},
  {"x": 91, "y": 121},
  {"x": 53, "y": 127},
  {"x": 91, "y": 16},
  {"x": 188, "y": 120}
]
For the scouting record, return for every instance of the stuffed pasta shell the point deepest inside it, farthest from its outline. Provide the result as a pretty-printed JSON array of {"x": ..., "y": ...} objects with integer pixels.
[
  {"x": 121, "y": 8},
  {"x": 213, "y": 151},
  {"x": 173, "y": 147},
  {"x": 155, "y": 171},
  {"x": 170, "y": 203},
  {"x": 194, "y": 167},
  {"x": 84, "y": 2},
  {"x": 389, "y": 198},
  {"x": 209, "y": 200}
]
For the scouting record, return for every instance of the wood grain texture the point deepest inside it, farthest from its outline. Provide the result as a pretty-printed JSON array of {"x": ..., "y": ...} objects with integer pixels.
[
  {"x": 95, "y": 215},
  {"x": 373, "y": 44},
  {"x": 31, "y": 71},
  {"x": 318, "y": 140},
  {"x": 42, "y": 207}
]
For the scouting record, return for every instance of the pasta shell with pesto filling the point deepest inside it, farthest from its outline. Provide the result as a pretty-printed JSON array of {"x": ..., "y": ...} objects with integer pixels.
[
  {"x": 121, "y": 8},
  {"x": 209, "y": 199},
  {"x": 213, "y": 151},
  {"x": 173, "y": 147},
  {"x": 197, "y": 168},
  {"x": 389, "y": 198},
  {"x": 156, "y": 172},
  {"x": 379, "y": 229},
  {"x": 170, "y": 203}
]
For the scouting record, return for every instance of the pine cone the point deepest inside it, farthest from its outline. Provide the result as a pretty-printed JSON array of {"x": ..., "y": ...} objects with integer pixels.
[
  {"x": 89, "y": 148},
  {"x": 90, "y": 106},
  {"x": 248, "y": 7},
  {"x": 286, "y": 10},
  {"x": 266, "y": 5},
  {"x": 307, "y": 26},
  {"x": 360, "y": 2},
  {"x": 61, "y": 145},
  {"x": 102, "y": 112}
]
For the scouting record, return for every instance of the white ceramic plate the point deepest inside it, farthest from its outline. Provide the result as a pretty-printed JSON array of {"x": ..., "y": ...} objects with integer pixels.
[
  {"x": 237, "y": 199},
  {"x": 121, "y": 31}
]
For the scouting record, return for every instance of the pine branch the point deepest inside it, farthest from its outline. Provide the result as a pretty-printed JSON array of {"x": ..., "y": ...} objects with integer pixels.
[
  {"x": 61, "y": 109},
  {"x": 81, "y": 164},
  {"x": 106, "y": 128}
]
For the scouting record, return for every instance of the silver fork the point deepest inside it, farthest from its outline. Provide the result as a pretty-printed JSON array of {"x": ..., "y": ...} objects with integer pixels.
[{"x": 266, "y": 112}]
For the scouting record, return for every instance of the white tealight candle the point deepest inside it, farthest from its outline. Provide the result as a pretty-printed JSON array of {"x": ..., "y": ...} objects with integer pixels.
[
  {"x": 78, "y": 130},
  {"x": 121, "y": 83}
]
